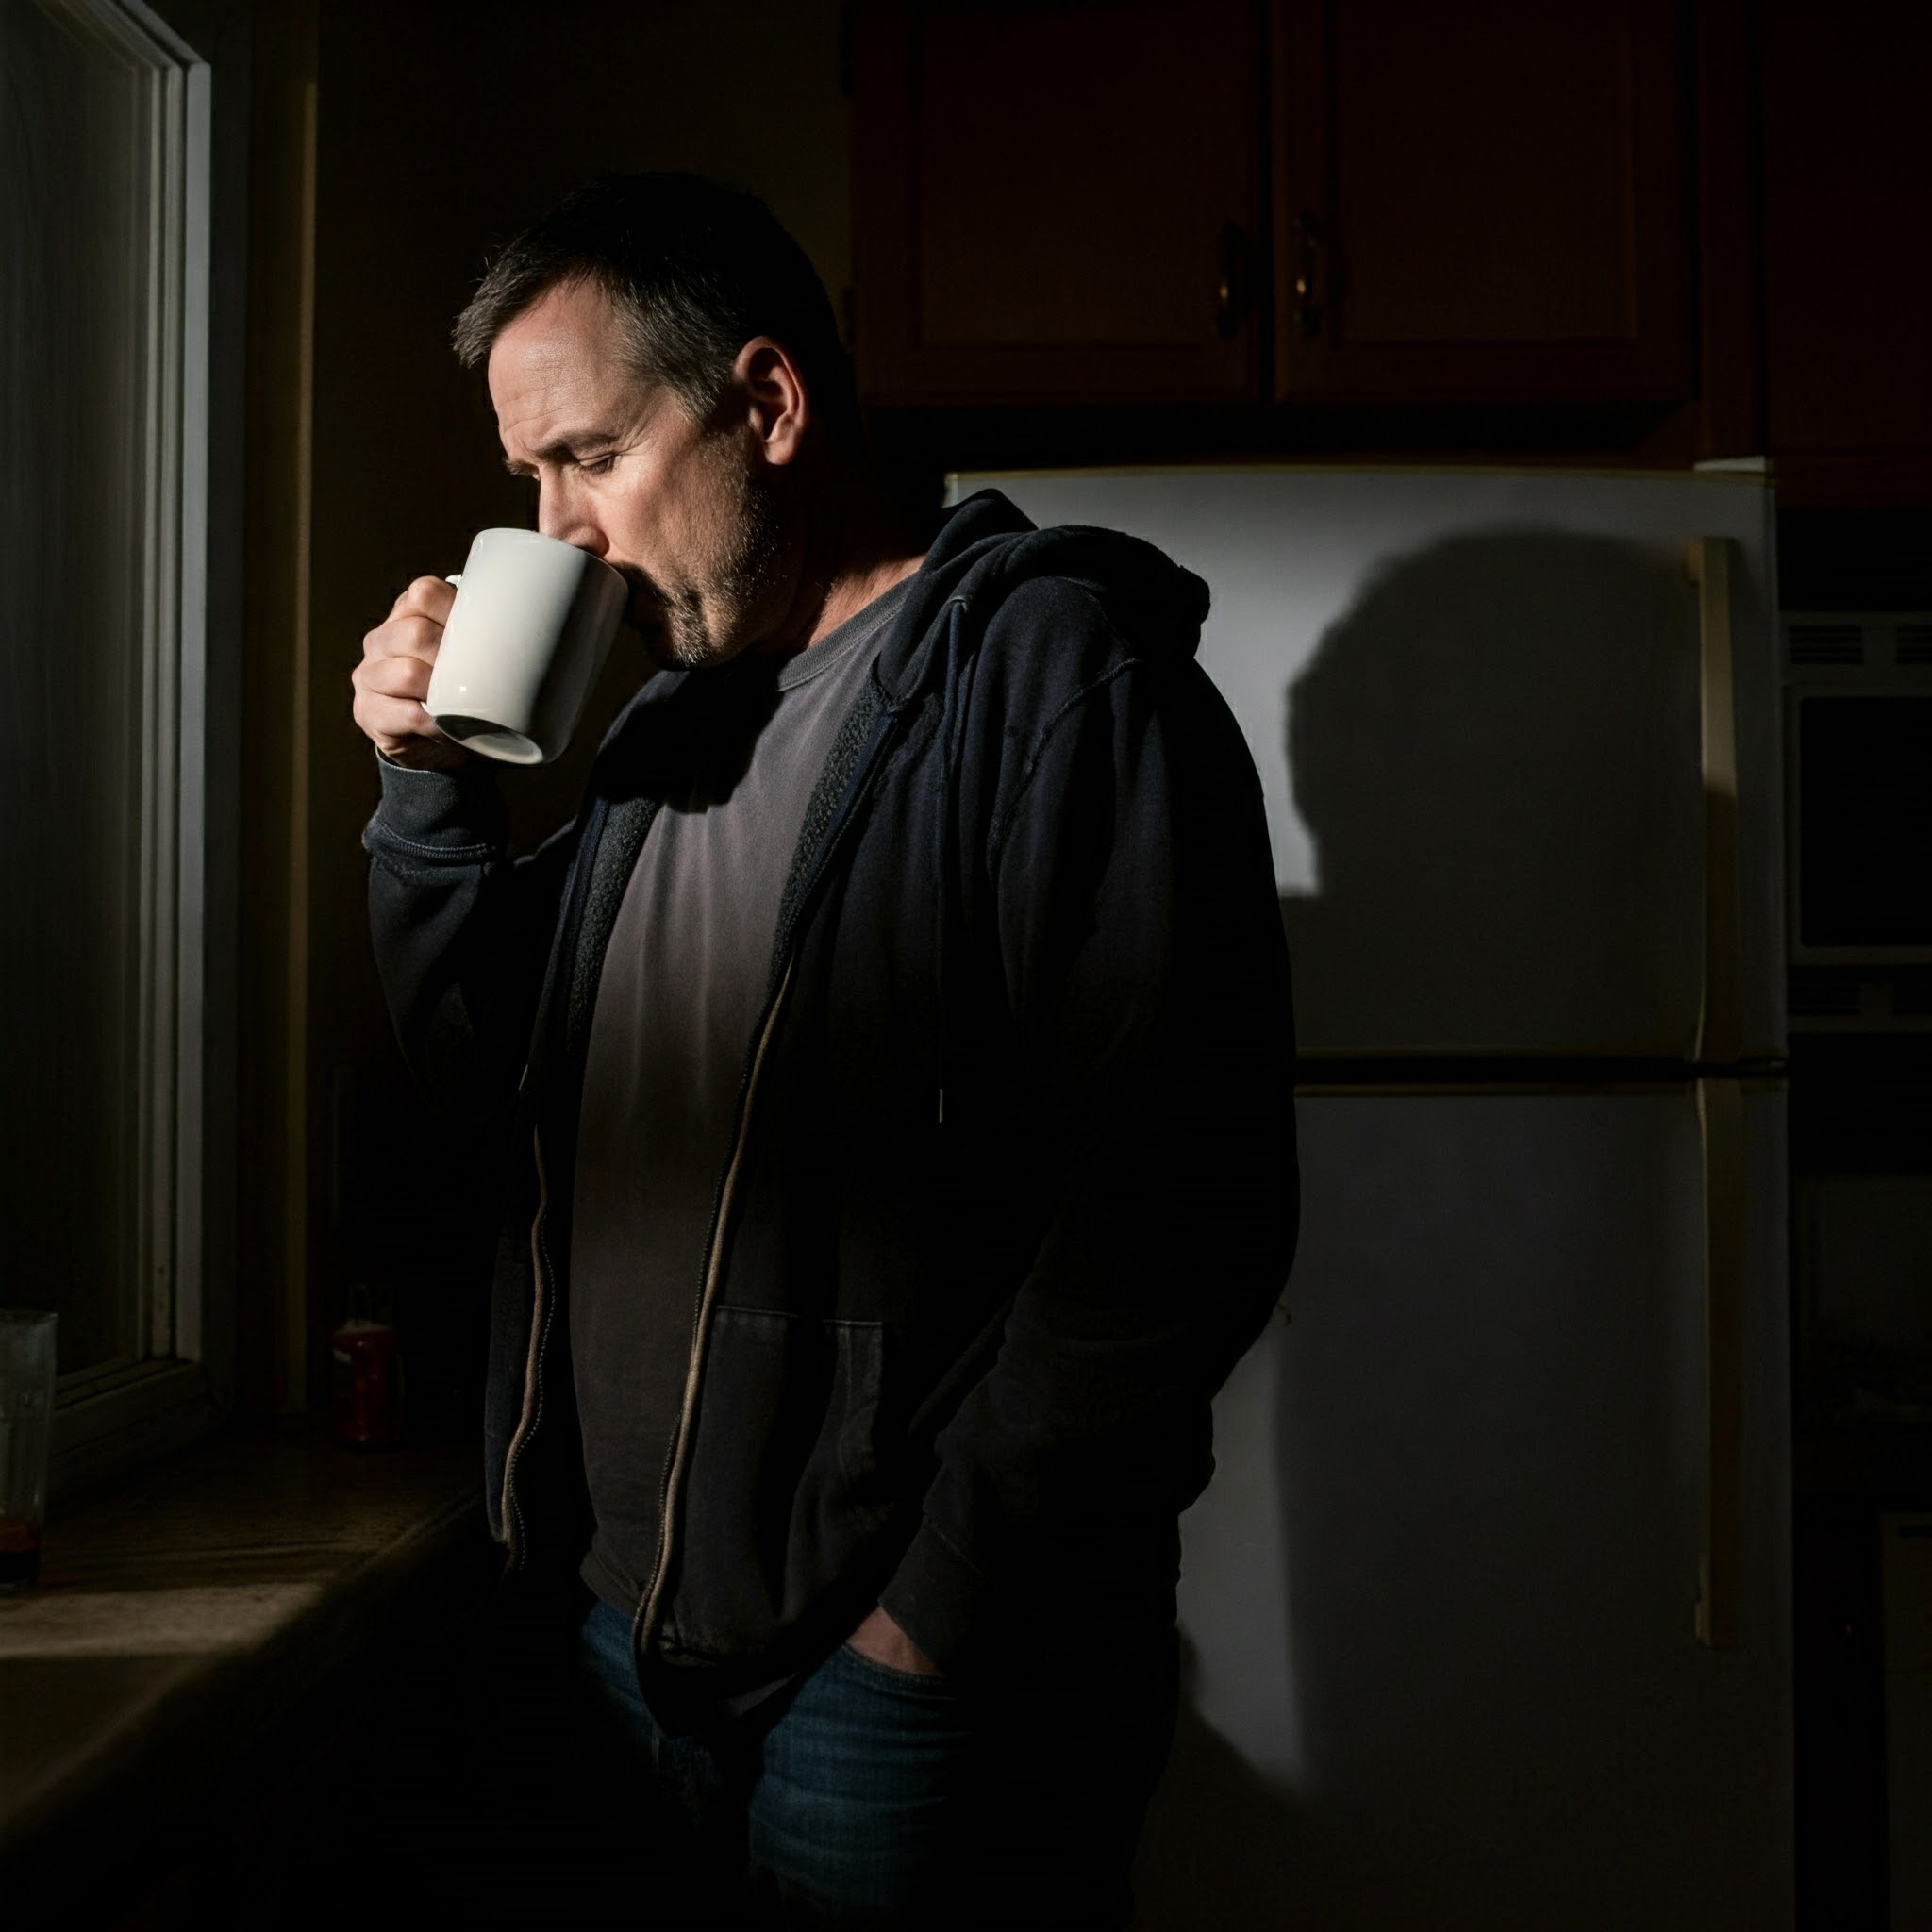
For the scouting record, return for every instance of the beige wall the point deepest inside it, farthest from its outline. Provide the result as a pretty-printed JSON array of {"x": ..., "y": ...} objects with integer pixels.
[{"x": 441, "y": 126}]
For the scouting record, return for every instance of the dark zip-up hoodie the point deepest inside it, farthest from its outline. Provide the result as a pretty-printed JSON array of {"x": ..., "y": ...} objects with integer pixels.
[{"x": 1011, "y": 1183}]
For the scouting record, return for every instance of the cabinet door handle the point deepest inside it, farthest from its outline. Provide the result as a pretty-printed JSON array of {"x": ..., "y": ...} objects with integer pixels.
[
  {"x": 1231, "y": 293},
  {"x": 1307, "y": 277}
]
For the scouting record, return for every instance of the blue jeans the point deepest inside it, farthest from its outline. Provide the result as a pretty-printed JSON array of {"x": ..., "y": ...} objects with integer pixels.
[{"x": 868, "y": 1797}]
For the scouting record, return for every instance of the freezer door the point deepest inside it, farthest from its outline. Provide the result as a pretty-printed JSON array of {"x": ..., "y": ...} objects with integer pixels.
[
  {"x": 1444, "y": 1655},
  {"x": 1479, "y": 707}
]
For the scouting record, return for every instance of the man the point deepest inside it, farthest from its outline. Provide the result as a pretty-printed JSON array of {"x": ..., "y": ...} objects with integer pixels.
[{"x": 900, "y": 1048}]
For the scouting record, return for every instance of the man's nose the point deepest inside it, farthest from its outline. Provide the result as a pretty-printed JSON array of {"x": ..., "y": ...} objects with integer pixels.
[{"x": 562, "y": 514}]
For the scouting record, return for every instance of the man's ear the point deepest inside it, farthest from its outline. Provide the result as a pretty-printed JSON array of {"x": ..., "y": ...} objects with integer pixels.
[{"x": 776, "y": 406}]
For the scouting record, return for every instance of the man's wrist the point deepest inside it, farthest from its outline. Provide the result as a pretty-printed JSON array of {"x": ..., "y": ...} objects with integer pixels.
[
  {"x": 881, "y": 1641},
  {"x": 430, "y": 755}
]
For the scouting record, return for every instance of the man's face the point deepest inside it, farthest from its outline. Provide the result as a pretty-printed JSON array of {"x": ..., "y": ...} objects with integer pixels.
[{"x": 684, "y": 510}]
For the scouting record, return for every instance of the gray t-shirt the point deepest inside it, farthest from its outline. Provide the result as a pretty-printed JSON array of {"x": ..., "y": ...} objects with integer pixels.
[{"x": 683, "y": 985}]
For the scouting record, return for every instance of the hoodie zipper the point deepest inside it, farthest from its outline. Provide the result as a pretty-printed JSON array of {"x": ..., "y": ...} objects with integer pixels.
[
  {"x": 650, "y": 1610},
  {"x": 542, "y": 1301},
  {"x": 675, "y": 1464},
  {"x": 513, "y": 1513},
  {"x": 646, "y": 1618}
]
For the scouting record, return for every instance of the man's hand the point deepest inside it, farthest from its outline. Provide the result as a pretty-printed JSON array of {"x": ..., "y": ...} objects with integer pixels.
[
  {"x": 393, "y": 678},
  {"x": 882, "y": 1641}
]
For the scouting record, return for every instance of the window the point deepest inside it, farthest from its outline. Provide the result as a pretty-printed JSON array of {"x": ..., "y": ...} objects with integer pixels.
[{"x": 105, "y": 200}]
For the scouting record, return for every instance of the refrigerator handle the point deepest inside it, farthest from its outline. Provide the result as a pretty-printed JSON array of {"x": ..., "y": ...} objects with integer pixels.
[
  {"x": 1721, "y": 1134},
  {"x": 1719, "y": 1019}
]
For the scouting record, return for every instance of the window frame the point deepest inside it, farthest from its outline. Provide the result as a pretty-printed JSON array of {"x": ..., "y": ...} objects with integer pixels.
[{"x": 176, "y": 1381}]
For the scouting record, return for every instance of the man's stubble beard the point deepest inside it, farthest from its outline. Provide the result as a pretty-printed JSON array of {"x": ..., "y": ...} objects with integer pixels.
[{"x": 707, "y": 626}]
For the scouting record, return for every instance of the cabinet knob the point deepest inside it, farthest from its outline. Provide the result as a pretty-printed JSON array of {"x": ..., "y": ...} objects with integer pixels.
[
  {"x": 1307, "y": 276},
  {"x": 1231, "y": 295}
]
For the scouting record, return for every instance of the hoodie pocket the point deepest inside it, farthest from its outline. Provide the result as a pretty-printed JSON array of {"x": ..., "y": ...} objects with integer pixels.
[{"x": 784, "y": 1493}]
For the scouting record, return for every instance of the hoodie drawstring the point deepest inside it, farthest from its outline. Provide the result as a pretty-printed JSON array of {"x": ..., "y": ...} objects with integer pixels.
[{"x": 945, "y": 824}]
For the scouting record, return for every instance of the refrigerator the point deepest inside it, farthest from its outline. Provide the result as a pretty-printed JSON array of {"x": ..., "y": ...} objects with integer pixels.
[{"x": 1486, "y": 1614}]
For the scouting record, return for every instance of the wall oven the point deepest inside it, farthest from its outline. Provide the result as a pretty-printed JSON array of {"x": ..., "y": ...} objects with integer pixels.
[{"x": 1858, "y": 766}]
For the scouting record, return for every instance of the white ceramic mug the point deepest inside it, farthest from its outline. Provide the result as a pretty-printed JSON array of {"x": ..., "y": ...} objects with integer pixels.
[{"x": 525, "y": 642}]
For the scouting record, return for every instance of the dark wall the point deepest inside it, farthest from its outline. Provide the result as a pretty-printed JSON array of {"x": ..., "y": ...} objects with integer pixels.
[{"x": 444, "y": 125}]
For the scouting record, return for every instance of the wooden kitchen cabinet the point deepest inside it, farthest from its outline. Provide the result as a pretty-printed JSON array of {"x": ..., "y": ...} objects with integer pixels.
[
  {"x": 1057, "y": 200},
  {"x": 1847, "y": 96},
  {"x": 1485, "y": 203}
]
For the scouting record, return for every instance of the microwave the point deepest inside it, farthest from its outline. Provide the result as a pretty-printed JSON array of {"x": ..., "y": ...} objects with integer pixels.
[{"x": 1858, "y": 841}]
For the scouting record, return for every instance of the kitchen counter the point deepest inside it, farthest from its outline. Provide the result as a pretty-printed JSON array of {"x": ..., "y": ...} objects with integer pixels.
[{"x": 189, "y": 1621}]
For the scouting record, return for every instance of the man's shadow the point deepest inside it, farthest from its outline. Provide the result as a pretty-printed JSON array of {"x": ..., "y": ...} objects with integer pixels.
[
  {"x": 1495, "y": 752},
  {"x": 1218, "y": 1849}
]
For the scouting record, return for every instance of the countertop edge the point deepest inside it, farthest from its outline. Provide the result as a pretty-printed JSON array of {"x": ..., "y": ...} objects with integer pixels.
[{"x": 157, "y": 1760}]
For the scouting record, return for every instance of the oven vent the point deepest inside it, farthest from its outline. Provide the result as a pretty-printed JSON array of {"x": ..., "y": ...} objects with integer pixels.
[
  {"x": 1824, "y": 992},
  {"x": 1912, "y": 643},
  {"x": 1814, "y": 642}
]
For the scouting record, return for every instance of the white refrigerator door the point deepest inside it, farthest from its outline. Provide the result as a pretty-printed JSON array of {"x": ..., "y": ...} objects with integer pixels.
[
  {"x": 1440, "y": 1602},
  {"x": 1475, "y": 701}
]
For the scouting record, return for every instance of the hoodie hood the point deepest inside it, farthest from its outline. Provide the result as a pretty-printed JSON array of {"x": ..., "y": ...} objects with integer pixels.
[
  {"x": 985, "y": 546},
  {"x": 981, "y": 552}
]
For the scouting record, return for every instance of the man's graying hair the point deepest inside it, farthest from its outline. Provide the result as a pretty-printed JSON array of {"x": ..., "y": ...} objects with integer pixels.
[{"x": 694, "y": 270}]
